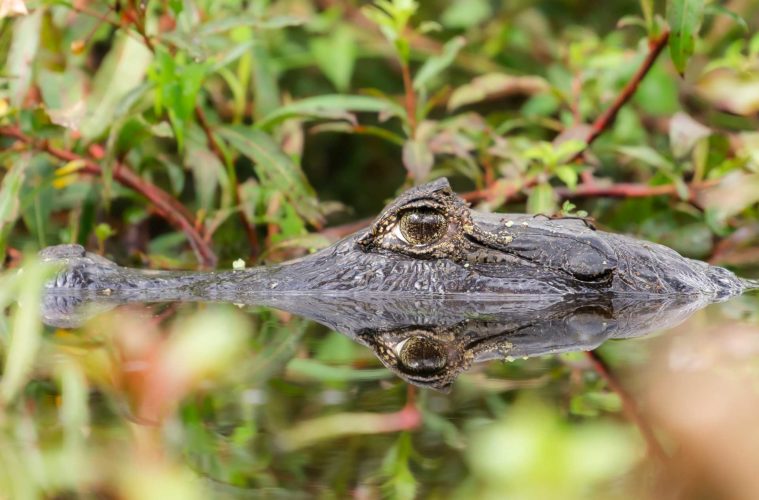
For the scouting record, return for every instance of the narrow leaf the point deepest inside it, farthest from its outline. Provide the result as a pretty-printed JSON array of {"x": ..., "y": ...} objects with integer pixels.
[
  {"x": 684, "y": 18},
  {"x": 276, "y": 170},
  {"x": 229, "y": 23},
  {"x": 568, "y": 175},
  {"x": 542, "y": 200},
  {"x": 418, "y": 159},
  {"x": 265, "y": 82},
  {"x": 122, "y": 71},
  {"x": 648, "y": 156},
  {"x": 435, "y": 65},
  {"x": 716, "y": 9},
  {"x": 206, "y": 171},
  {"x": 328, "y": 105},
  {"x": 9, "y": 196},
  {"x": 21, "y": 56},
  {"x": 336, "y": 56},
  {"x": 495, "y": 85},
  {"x": 26, "y": 331}
]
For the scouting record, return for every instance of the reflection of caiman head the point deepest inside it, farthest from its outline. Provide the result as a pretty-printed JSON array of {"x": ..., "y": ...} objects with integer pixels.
[
  {"x": 429, "y": 340},
  {"x": 423, "y": 356},
  {"x": 434, "y": 356},
  {"x": 429, "y": 241}
]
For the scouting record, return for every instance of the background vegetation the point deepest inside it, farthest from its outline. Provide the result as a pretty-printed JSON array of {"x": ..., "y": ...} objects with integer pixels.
[{"x": 191, "y": 133}]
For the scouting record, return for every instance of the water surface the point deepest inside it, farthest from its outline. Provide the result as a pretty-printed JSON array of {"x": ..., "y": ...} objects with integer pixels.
[{"x": 297, "y": 395}]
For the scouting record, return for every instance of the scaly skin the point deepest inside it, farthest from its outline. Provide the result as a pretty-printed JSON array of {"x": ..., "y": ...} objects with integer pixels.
[{"x": 429, "y": 241}]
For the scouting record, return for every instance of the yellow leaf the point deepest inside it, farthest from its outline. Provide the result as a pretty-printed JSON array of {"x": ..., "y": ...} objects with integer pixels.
[{"x": 70, "y": 168}]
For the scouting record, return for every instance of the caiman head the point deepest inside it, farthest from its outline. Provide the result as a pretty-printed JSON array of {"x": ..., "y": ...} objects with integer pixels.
[{"x": 428, "y": 240}]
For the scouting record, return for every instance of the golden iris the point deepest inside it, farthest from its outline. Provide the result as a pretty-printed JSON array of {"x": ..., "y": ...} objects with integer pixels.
[
  {"x": 421, "y": 226},
  {"x": 423, "y": 356}
]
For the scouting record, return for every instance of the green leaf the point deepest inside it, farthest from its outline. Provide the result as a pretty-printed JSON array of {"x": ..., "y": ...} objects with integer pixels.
[
  {"x": 26, "y": 332},
  {"x": 657, "y": 94},
  {"x": 462, "y": 14},
  {"x": 265, "y": 81},
  {"x": 685, "y": 133},
  {"x": 494, "y": 85},
  {"x": 648, "y": 156},
  {"x": 103, "y": 231},
  {"x": 122, "y": 71},
  {"x": 206, "y": 169},
  {"x": 716, "y": 9},
  {"x": 22, "y": 52},
  {"x": 178, "y": 83},
  {"x": 223, "y": 60},
  {"x": 63, "y": 94},
  {"x": 336, "y": 56},
  {"x": 400, "y": 482},
  {"x": 9, "y": 199},
  {"x": 221, "y": 25},
  {"x": 275, "y": 170},
  {"x": 392, "y": 18},
  {"x": 569, "y": 148},
  {"x": 568, "y": 175},
  {"x": 418, "y": 159},
  {"x": 542, "y": 200},
  {"x": 436, "y": 64},
  {"x": 632, "y": 21},
  {"x": 731, "y": 196},
  {"x": 329, "y": 104},
  {"x": 733, "y": 91},
  {"x": 647, "y": 6},
  {"x": 684, "y": 18}
]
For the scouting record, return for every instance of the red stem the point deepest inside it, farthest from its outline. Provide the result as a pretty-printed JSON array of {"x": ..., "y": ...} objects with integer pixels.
[
  {"x": 631, "y": 190},
  {"x": 410, "y": 98},
  {"x": 606, "y": 118},
  {"x": 629, "y": 407}
]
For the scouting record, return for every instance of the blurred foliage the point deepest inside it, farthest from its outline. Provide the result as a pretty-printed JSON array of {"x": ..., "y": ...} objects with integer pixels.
[{"x": 169, "y": 133}]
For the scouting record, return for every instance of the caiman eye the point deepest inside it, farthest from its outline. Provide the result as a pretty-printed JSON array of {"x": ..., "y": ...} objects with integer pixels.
[
  {"x": 422, "y": 226},
  {"x": 422, "y": 356}
]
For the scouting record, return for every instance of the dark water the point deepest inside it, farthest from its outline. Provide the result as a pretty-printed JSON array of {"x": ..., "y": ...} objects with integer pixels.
[{"x": 388, "y": 396}]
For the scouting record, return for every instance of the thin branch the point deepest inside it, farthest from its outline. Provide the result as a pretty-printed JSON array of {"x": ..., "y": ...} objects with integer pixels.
[
  {"x": 336, "y": 232},
  {"x": 606, "y": 119},
  {"x": 598, "y": 190},
  {"x": 165, "y": 205},
  {"x": 632, "y": 190},
  {"x": 138, "y": 20},
  {"x": 629, "y": 407}
]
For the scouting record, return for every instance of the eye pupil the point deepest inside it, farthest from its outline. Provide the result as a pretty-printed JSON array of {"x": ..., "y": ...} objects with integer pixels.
[
  {"x": 423, "y": 225},
  {"x": 422, "y": 356}
]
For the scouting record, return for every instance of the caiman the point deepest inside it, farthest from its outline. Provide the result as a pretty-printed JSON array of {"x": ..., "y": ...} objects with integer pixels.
[{"x": 429, "y": 241}]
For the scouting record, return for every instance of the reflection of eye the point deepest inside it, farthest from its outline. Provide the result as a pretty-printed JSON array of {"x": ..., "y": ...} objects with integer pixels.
[
  {"x": 422, "y": 356},
  {"x": 421, "y": 226}
]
